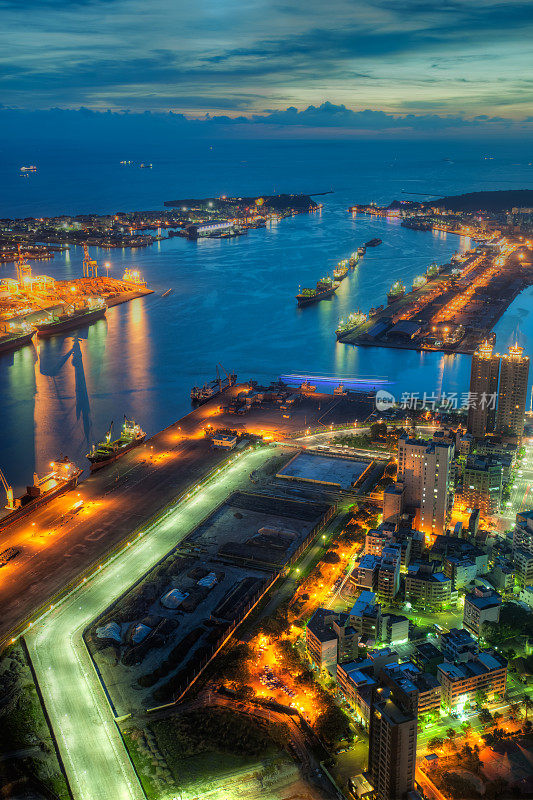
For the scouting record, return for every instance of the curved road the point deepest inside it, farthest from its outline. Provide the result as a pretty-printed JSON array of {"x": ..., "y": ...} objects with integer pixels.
[{"x": 96, "y": 761}]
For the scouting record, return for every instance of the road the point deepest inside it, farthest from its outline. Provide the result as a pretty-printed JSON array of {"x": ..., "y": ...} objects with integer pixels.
[
  {"x": 97, "y": 764},
  {"x": 57, "y": 543},
  {"x": 521, "y": 497}
]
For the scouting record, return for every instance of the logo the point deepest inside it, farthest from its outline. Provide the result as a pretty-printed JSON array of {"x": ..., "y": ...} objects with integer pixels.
[{"x": 384, "y": 400}]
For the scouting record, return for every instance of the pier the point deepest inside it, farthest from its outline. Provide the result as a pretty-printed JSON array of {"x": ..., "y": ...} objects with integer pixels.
[{"x": 455, "y": 310}]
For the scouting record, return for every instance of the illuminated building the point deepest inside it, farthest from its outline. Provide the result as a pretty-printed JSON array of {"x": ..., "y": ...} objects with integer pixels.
[
  {"x": 512, "y": 393},
  {"x": 417, "y": 691},
  {"x": 426, "y": 588},
  {"x": 486, "y": 673},
  {"x": 482, "y": 484},
  {"x": 482, "y": 605},
  {"x": 426, "y": 470},
  {"x": 389, "y": 572},
  {"x": 483, "y": 388},
  {"x": 393, "y": 502},
  {"x": 392, "y": 747}
]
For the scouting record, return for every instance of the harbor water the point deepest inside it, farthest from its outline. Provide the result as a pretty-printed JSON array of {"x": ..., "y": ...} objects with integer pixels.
[{"x": 231, "y": 301}]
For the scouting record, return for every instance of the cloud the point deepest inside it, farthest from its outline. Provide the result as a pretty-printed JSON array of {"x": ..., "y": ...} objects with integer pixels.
[
  {"x": 326, "y": 120},
  {"x": 231, "y": 56}
]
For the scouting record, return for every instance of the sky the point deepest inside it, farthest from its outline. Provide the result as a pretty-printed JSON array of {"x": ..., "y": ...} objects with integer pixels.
[{"x": 275, "y": 62}]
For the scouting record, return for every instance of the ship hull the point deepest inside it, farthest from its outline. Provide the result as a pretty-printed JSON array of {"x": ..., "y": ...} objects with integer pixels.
[
  {"x": 39, "y": 502},
  {"x": 307, "y": 301},
  {"x": 103, "y": 462},
  {"x": 69, "y": 324},
  {"x": 15, "y": 342},
  {"x": 391, "y": 298},
  {"x": 215, "y": 390}
]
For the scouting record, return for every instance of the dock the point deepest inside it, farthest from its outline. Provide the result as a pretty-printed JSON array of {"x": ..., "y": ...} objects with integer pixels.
[{"x": 454, "y": 311}]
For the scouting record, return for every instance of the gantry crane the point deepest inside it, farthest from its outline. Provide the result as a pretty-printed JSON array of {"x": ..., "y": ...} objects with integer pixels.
[
  {"x": 23, "y": 268},
  {"x": 9, "y": 491},
  {"x": 90, "y": 265}
]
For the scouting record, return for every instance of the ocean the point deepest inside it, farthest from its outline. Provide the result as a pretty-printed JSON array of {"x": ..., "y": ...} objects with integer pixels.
[{"x": 232, "y": 302}]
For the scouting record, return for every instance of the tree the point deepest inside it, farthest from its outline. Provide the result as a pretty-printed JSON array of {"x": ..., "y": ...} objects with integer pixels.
[
  {"x": 435, "y": 743},
  {"x": 333, "y": 726},
  {"x": 480, "y": 697},
  {"x": 377, "y": 430},
  {"x": 450, "y": 733},
  {"x": 485, "y": 717}
]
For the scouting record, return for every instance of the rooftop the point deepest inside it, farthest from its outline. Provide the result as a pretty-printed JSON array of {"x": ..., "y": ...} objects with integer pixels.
[{"x": 484, "y": 601}]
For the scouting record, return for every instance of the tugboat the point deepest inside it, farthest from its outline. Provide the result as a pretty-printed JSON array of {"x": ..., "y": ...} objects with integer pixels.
[
  {"x": 72, "y": 316},
  {"x": 15, "y": 336},
  {"x": 373, "y": 243},
  {"x": 396, "y": 291},
  {"x": 63, "y": 476},
  {"x": 324, "y": 288},
  {"x": 108, "y": 451},
  {"x": 201, "y": 394}
]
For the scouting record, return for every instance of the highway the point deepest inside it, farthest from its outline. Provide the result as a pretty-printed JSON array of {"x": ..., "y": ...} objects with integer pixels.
[{"x": 96, "y": 761}]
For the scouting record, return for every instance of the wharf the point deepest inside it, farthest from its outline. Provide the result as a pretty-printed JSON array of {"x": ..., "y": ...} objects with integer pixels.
[
  {"x": 450, "y": 313},
  {"x": 64, "y": 540},
  {"x": 112, "y": 290}
]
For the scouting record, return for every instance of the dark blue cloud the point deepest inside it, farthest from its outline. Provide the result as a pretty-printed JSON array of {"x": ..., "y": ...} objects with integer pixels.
[{"x": 459, "y": 56}]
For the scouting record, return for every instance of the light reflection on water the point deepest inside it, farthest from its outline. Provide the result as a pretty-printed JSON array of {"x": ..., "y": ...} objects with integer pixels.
[{"x": 231, "y": 302}]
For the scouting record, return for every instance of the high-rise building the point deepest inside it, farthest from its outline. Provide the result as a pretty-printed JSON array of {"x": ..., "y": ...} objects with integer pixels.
[
  {"x": 483, "y": 391},
  {"x": 392, "y": 747},
  {"x": 512, "y": 394},
  {"x": 427, "y": 472}
]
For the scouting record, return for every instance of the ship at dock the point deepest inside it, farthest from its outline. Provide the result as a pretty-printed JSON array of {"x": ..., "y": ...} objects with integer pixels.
[
  {"x": 63, "y": 476},
  {"x": 15, "y": 335},
  {"x": 326, "y": 287},
  {"x": 201, "y": 394},
  {"x": 108, "y": 451},
  {"x": 396, "y": 291},
  {"x": 72, "y": 316}
]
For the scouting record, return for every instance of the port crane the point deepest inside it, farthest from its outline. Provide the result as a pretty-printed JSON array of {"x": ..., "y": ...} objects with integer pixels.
[
  {"x": 90, "y": 265},
  {"x": 23, "y": 268},
  {"x": 8, "y": 490}
]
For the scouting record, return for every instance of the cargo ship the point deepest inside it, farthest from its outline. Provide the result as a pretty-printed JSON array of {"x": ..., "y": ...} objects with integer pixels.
[
  {"x": 324, "y": 288},
  {"x": 353, "y": 260},
  {"x": 307, "y": 388},
  {"x": 72, "y": 317},
  {"x": 361, "y": 250},
  {"x": 15, "y": 336},
  {"x": 108, "y": 451},
  {"x": 355, "y": 319},
  {"x": 396, "y": 291},
  {"x": 341, "y": 271},
  {"x": 63, "y": 476},
  {"x": 201, "y": 394},
  {"x": 373, "y": 243}
]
